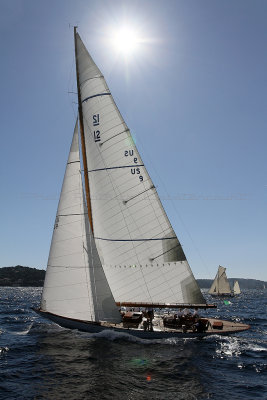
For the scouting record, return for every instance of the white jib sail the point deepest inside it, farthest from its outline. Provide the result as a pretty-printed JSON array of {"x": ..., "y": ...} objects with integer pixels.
[
  {"x": 236, "y": 288},
  {"x": 141, "y": 255},
  {"x": 220, "y": 284},
  {"x": 75, "y": 284}
]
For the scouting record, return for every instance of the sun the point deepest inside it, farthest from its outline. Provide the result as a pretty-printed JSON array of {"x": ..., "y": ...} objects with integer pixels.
[{"x": 125, "y": 40}]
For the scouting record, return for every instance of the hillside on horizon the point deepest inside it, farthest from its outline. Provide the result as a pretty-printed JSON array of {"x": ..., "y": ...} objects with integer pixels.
[
  {"x": 20, "y": 276},
  {"x": 244, "y": 283}
]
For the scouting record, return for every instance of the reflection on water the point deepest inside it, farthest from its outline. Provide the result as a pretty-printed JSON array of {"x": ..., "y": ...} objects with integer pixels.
[{"x": 102, "y": 368}]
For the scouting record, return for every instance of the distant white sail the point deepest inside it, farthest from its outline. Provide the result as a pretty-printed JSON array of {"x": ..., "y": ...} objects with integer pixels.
[
  {"x": 236, "y": 288},
  {"x": 141, "y": 255},
  {"x": 220, "y": 284},
  {"x": 73, "y": 265}
]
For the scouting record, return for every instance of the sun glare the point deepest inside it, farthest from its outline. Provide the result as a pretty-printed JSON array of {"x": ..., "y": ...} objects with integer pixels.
[{"x": 125, "y": 41}]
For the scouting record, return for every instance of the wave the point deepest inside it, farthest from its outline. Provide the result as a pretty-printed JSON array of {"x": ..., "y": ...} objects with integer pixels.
[{"x": 3, "y": 350}]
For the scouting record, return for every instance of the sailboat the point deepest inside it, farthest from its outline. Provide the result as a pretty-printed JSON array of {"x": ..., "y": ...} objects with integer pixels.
[
  {"x": 220, "y": 285},
  {"x": 236, "y": 288},
  {"x": 113, "y": 245}
]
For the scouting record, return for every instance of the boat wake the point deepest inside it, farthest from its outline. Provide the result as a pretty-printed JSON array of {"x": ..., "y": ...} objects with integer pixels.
[
  {"x": 24, "y": 332},
  {"x": 235, "y": 347},
  {"x": 117, "y": 336}
]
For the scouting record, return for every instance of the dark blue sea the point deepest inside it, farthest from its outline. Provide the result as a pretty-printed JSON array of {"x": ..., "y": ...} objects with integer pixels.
[{"x": 40, "y": 360}]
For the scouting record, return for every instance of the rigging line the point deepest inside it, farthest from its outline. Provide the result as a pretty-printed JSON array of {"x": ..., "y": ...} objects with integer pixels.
[
  {"x": 126, "y": 201},
  {"x": 95, "y": 95},
  {"x": 112, "y": 137},
  {"x": 134, "y": 240},
  {"x": 74, "y": 112},
  {"x": 71, "y": 75},
  {"x": 121, "y": 166}
]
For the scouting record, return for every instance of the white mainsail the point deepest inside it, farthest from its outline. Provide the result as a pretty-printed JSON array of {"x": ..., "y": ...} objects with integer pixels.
[
  {"x": 141, "y": 255},
  {"x": 220, "y": 284},
  {"x": 236, "y": 288},
  {"x": 75, "y": 284}
]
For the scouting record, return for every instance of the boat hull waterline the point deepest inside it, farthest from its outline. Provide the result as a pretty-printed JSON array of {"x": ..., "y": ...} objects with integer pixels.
[{"x": 158, "y": 332}]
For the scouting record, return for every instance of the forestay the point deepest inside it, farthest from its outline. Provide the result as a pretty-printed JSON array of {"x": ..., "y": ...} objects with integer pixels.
[
  {"x": 135, "y": 240},
  {"x": 75, "y": 284}
]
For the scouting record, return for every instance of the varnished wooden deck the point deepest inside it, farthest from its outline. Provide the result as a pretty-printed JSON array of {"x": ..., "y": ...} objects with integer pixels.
[{"x": 227, "y": 328}]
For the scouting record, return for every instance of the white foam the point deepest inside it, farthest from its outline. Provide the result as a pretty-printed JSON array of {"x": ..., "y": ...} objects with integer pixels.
[{"x": 256, "y": 347}]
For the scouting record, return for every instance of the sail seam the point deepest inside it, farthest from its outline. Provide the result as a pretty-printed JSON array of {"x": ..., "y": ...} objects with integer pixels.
[
  {"x": 89, "y": 79},
  {"x": 95, "y": 95},
  {"x": 72, "y": 162}
]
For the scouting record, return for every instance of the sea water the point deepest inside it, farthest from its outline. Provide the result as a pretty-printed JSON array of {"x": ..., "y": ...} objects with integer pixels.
[{"x": 40, "y": 360}]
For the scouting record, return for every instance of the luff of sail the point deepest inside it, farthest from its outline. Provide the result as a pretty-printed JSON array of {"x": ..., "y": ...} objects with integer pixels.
[
  {"x": 220, "y": 284},
  {"x": 74, "y": 267},
  {"x": 140, "y": 253}
]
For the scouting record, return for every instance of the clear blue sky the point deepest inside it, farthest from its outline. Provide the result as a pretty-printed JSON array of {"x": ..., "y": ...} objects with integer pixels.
[{"x": 193, "y": 94}]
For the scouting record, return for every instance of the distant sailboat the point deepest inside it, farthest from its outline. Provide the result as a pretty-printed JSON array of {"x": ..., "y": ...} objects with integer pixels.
[
  {"x": 113, "y": 244},
  {"x": 221, "y": 286},
  {"x": 236, "y": 289}
]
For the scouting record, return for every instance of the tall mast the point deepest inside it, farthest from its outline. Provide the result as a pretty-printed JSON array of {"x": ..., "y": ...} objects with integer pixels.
[{"x": 86, "y": 179}]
